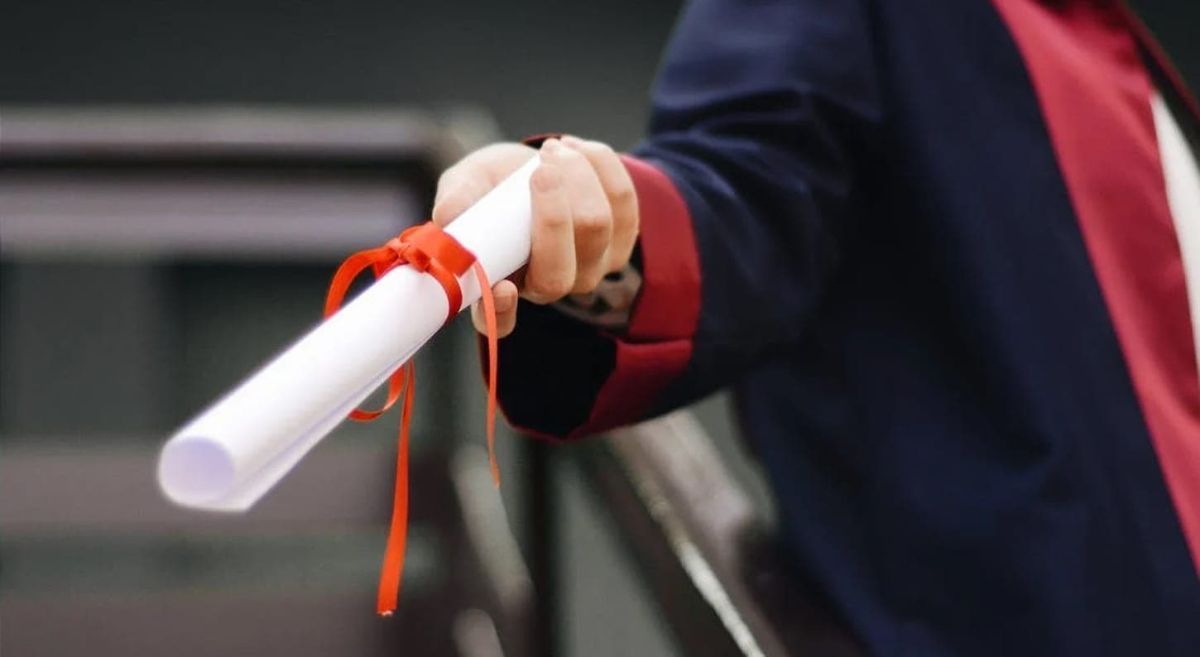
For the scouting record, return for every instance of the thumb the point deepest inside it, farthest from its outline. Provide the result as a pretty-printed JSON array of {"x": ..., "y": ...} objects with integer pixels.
[{"x": 505, "y": 293}]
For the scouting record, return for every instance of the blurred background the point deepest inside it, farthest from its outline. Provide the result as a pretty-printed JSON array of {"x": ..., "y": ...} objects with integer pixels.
[{"x": 292, "y": 133}]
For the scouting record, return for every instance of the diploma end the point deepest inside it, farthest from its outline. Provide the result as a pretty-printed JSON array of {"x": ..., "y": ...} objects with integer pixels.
[{"x": 194, "y": 472}]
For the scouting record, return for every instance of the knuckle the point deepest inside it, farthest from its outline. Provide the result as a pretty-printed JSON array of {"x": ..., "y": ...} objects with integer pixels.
[
  {"x": 457, "y": 174},
  {"x": 623, "y": 193},
  {"x": 545, "y": 178},
  {"x": 570, "y": 155},
  {"x": 495, "y": 147},
  {"x": 450, "y": 196},
  {"x": 453, "y": 186},
  {"x": 448, "y": 205},
  {"x": 553, "y": 220},
  {"x": 448, "y": 176},
  {"x": 599, "y": 149},
  {"x": 550, "y": 287},
  {"x": 593, "y": 222},
  {"x": 559, "y": 286},
  {"x": 618, "y": 258},
  {"x": 586, "y": 283}
]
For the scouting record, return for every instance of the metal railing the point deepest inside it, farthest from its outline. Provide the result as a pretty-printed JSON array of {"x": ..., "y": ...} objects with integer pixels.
[{"x": 703, "y": 546}]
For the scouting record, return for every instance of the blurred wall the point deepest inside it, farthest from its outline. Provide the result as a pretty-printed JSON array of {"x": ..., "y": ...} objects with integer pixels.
[{"x": 538, "y": 65}]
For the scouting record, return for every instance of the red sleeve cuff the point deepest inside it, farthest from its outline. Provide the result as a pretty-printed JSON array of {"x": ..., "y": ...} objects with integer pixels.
[
  {"x": 658, "y": 342},
  {"x": 652, "y": 352},
  {"x": 668, "y": 307}
]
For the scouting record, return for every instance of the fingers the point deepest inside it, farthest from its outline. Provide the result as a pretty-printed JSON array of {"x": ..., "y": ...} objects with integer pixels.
[
  {"x": 585, "y": 217},
  {"x": 621, "y": 195},
  {"x": 552, "y": 262},
  {"x": 475, "y": 175},
  {"x": 591, "y": 216},
  {"x": 505, "y": 293}
]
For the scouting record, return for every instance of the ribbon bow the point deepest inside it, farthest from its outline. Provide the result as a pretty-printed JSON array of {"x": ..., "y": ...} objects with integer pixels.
[{"x": 426, "y": 248}]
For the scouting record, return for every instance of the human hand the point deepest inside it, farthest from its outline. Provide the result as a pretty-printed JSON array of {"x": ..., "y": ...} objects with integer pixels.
[{"x": 585, "y": 217}]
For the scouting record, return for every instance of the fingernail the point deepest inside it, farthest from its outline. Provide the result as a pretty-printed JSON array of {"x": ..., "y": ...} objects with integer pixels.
[{"x": 551, "y": 146}]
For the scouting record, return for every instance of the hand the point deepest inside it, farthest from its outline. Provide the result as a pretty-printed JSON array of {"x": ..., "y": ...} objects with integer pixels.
[{"x": 585, "y": 217}]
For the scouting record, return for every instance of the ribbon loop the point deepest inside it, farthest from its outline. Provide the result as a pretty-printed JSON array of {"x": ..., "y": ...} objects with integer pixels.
[{"x": 427, "y": 249}]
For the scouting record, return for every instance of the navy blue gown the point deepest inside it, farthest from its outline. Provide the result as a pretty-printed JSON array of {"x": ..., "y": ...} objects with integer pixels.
[{"x": 926, "y": 244}]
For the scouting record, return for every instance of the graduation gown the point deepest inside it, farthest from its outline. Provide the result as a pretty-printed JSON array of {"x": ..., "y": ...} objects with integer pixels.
[{"x": 927, "y": 245}]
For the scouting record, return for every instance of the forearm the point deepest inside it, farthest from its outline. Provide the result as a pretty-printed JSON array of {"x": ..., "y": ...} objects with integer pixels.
[{"x": 746, "y": 195}]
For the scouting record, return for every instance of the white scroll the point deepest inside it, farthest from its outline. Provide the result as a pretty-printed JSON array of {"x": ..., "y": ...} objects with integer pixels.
[{"x": 231, "y": 454}]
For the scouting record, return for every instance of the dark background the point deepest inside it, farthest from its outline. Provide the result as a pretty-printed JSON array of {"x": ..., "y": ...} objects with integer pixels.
[{"x": 537, "y": 65}]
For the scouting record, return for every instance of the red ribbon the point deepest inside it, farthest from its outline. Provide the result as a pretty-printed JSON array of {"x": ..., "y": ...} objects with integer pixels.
[{"x": 426, "y": 248}]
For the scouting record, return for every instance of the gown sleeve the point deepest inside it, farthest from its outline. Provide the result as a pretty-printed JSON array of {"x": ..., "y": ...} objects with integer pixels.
[{"x": 745, "y": 188}]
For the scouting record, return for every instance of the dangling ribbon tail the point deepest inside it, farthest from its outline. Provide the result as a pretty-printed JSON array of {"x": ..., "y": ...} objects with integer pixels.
[{"x": 430, "y": 250}]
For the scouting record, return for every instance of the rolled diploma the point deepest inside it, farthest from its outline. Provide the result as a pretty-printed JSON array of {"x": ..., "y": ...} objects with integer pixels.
[{"x": 231, "y": 454}]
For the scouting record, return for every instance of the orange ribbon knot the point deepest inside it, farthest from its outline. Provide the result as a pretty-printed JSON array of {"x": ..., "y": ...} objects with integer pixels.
[{"x": 426, "y": 248}]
